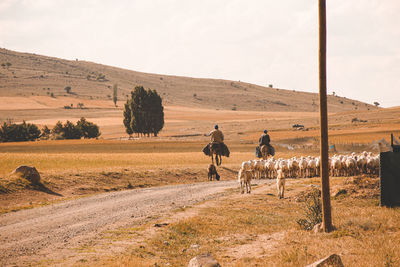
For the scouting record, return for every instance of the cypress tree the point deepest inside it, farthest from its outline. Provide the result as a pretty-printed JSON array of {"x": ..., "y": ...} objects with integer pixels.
[
  {"x": 128, "y": 117},
  {"x": 144, "y": 113}
]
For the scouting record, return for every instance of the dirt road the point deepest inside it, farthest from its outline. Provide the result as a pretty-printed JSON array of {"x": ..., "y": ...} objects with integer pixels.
[{"x": 53, "y": 232}]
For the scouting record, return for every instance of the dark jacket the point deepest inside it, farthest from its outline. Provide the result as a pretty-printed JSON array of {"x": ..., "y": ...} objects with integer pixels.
[{"x": 264, "y": 140}]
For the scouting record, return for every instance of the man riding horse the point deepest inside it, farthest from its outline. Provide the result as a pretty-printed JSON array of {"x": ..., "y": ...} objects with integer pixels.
[
  {"x": 265, "y": 146},
  {"x": 217, "y": 145}
]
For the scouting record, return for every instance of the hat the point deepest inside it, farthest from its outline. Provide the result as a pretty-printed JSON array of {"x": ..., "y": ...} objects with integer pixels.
[
  {"x": 216, "y": 126},
  {"x": 265, "y": 131}
]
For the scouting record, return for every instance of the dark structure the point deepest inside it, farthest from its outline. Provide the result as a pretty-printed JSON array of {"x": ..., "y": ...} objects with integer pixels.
[{"x": 390, "y": 177}]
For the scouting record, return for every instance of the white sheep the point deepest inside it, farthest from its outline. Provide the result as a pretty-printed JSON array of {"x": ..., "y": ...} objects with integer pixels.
[{"x": 303, "y": 167}]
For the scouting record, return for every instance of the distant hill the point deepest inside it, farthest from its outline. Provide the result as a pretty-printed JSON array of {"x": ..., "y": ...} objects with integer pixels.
[{"x": 30, "y": 75}]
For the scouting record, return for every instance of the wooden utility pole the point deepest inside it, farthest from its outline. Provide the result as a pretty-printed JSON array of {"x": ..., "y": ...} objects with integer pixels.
[{"x": 323, "y": 112}]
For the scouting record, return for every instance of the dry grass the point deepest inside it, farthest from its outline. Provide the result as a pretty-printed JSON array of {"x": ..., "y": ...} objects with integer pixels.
[{"x": 365, "y": 235}]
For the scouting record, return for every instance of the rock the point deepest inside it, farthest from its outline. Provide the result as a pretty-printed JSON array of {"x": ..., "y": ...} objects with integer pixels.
[
  {"x": 333, "y": 260},
  {"x": 204, "y": 260},
  {"x": 29, "y": 173},
  {"x": 318, "y": 228}
]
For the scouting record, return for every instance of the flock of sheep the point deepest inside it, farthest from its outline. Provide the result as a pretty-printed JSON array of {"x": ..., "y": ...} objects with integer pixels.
[{"x": 340, "y": 165}]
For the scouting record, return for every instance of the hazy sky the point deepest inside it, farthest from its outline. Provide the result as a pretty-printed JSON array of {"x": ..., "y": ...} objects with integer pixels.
[{"x": 257, "y": 41}]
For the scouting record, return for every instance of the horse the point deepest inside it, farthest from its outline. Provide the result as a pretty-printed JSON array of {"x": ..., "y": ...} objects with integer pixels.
[
  {"x": 266, "y": 151},
  {"x": 216, "y": 149}
]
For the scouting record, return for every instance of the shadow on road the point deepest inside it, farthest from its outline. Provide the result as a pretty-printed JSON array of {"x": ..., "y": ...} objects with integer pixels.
[
  {"x": 41, "y": 187},
  {"x": 229, "y": 170}
]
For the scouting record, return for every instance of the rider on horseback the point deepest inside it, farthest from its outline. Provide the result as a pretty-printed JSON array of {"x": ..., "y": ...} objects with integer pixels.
[
  {"x": 264, "y": 145},
  {"x": 216, "y": 146}
]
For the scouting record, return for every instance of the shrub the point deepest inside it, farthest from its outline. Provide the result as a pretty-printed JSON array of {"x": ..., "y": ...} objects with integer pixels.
[
  {"x": 68, "y": 89},
  {"x": 312, "y": 210},
  {"x": 11, "y": 132},
  {"x": 57, "y": 129},
  {"x": 101, "y": 77},
  {"x": 70, "y": 131},
  {"x": 88, "y": 129},
  {"x": 45, "y": 133}
]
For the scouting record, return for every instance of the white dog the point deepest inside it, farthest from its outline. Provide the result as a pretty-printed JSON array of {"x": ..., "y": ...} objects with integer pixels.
[{"x": 280, "y": 183}]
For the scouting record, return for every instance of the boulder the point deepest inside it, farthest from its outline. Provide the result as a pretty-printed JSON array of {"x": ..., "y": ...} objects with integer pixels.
[
  {"x": 29, "y": 173},
  {"x": 204, "y": 260},
  {"x": 333, "y": 260}
]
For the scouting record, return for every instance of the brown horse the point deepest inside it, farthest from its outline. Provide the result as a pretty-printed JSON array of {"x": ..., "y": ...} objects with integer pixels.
[
  {"x": 265, "y": 151},
  {"x": 215, "y": 149}
]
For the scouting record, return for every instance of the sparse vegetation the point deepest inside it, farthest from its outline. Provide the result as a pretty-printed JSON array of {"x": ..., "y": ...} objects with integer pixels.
[
  {"x": 68, "y": 89},
  {"x": 6, "y": 64},
  {"x": 376, "y": 104},
  {"x": 312, "y": 210},
  {"x": 101, "y": 77}
]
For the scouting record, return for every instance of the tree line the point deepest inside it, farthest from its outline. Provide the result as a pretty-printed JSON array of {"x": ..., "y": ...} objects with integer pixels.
[
  {"x": 144, "y": 112},
  {"x": 12, "y": 132}
]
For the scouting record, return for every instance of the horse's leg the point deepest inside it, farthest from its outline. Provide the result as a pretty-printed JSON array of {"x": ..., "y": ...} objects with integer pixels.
[
  {"x": 217, "y": 159},
  {"x": 220, "y": 159}
]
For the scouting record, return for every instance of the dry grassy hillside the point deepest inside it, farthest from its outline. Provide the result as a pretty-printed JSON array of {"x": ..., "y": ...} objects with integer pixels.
[{"x": 31, "y": 75}]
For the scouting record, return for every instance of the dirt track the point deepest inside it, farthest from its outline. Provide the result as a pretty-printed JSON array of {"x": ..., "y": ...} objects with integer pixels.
[{"x": 54, "y": 231}]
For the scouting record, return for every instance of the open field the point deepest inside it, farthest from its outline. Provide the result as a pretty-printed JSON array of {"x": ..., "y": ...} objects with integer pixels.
[{"x": 75, "y": 167}]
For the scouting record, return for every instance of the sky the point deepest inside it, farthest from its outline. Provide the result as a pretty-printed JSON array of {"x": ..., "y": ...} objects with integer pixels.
[{"x": 257, "y": 41}]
